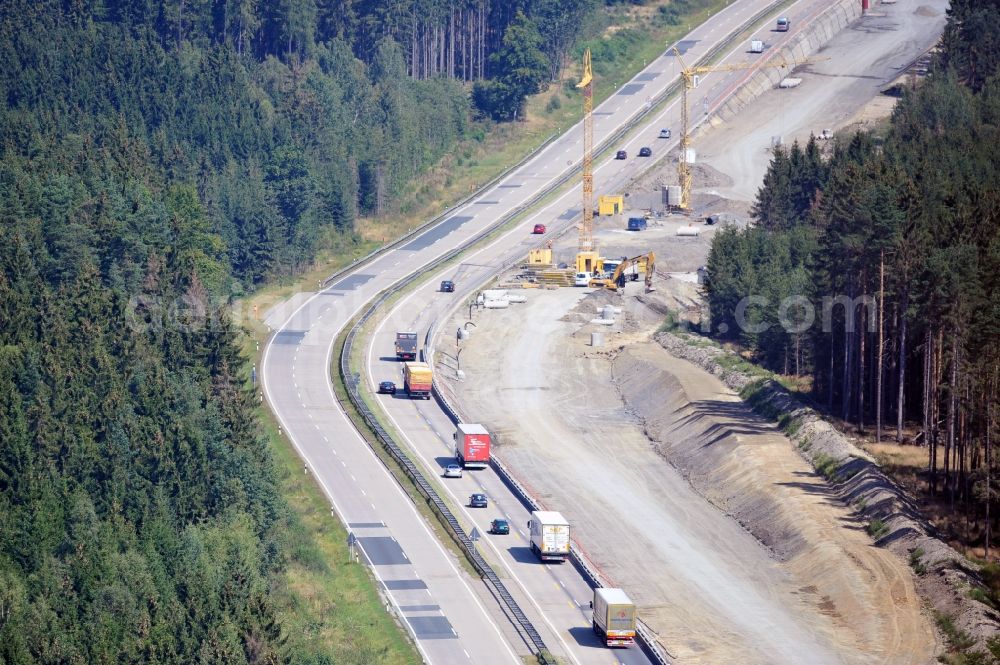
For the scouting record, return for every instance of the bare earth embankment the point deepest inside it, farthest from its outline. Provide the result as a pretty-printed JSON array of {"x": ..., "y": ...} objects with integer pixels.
[{"x": 734, "y": 549}]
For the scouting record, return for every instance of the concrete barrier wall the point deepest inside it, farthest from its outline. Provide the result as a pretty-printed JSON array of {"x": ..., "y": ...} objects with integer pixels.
[{"x": 804, "y": 43}]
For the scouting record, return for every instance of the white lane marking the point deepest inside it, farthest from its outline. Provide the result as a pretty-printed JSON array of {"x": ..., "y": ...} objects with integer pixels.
[
  {"x": 336, "y": 507},
  {"x": 412, "y": 447},
  {"x": 448, "y": 489},
  {"x": 329, "y": 351},
  {"x": 377, "y": 463}
]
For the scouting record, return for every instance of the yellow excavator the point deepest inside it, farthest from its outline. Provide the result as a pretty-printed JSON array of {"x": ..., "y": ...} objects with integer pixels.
[{"x": 628, "y": 269}]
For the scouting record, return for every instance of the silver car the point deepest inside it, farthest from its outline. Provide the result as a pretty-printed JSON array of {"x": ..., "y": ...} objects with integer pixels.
[{"x": 453, "y": 471}]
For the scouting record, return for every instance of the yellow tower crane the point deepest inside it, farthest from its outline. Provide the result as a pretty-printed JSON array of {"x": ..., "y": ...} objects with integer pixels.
[
  {"x": 586, "y": 258},
  {"x": 690, "y": 76}
]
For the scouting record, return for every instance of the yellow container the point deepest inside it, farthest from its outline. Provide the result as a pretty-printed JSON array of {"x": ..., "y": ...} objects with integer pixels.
[
  {"x": 610, "y": 205},
  {"x": 540, "y": 257}
]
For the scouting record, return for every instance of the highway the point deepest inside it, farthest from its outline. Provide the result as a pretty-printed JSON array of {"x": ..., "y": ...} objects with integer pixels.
[{"x": 450, "y": 617}]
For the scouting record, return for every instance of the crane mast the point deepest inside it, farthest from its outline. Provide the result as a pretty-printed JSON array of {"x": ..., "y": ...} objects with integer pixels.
[
  {"x": 690, "y": 76},
  {"x": 586, "y": 258}
]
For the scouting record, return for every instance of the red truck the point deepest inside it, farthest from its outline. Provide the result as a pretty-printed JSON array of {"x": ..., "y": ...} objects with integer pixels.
[{"x": 472, "y": 446}]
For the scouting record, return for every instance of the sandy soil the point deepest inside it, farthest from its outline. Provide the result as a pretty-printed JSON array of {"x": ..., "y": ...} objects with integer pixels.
[
  {"x": 735, "y": 551},
  {"x": 862, "y": 58},
  {"x": 666, "y": 520}
]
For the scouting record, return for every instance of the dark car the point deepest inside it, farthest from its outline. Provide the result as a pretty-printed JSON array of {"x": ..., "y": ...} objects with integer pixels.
[
  {"x": 646, "y": 152},
  {"x": 478, "y": 500},
  {"x": 539, "y": 228},
  {"x": 637, "y": 224},
  {"x": 621, "y": 154},
  {"x": 500, "y": 527},
  {"x": 447, "y": 286},
  {"x": 387, "y": 388}
]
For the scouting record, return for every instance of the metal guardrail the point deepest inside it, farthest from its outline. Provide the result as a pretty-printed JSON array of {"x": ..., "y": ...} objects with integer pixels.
[
  {"x": 427, "y": 490},
  {"x": 612, "y": 138},
  {"x": 351, "y": 380},
  {"x": 434, "y": 221},
  {"x": 647, "y": 642}
]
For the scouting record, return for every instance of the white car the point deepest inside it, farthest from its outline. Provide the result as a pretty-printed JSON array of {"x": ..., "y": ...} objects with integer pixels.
[
  {"x": 453, "y": 471},
  {"x": 582, "y": 279}
]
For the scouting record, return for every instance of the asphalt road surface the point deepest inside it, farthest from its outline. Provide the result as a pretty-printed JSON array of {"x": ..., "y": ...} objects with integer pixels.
[
  {"x": 862, "y": 59},
  {"x": 438, "y": 603}
]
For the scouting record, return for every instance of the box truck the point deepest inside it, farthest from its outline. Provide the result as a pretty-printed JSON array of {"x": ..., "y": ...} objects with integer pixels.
[
  {"x": 472, "y": 445},
  {"x": 417, "y": 379},
  {"x": 614, "y": 617},
  {"x": 549, "y": 537},
  {"x": 406, "y": 346}
]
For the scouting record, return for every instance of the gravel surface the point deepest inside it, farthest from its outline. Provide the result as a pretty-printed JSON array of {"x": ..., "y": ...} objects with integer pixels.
[
  {"x": 859, "y": 482},
  {"x": 713, "y": 589}
]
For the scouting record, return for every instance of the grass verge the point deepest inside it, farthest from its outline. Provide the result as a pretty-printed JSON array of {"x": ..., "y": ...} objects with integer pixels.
[
  {"x": 424, "y": 507},
  {"x": 635, "y": 36},
  {"x": 328, "y": 605}
]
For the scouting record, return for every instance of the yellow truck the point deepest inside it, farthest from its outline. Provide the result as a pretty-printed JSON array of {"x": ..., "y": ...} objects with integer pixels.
[{"x": 417, "y": 378}]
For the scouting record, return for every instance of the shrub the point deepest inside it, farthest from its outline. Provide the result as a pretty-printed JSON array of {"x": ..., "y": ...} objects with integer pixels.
[
  {"x": 990, "y": 574},
  {"x": 958, "y": 639},
  {"x": 877, "y": 528},
  {"x": 826, "y": 466}
]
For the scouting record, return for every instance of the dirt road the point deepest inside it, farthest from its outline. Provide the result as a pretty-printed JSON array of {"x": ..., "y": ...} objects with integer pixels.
[
  {"x": 805, "y": 586},
  {"x": 861, "y": 59}
]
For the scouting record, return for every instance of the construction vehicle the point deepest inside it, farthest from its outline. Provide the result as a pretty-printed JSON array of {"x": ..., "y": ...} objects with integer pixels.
[
  {"x": 625, "y": 270},
  {"x": 417, "y": 378},
  {"x": 549, "y": 535},
  {"x": 406, "y": 346},
  {"x": 614, "y": 617},
  {"x": 692, "y": 76}
]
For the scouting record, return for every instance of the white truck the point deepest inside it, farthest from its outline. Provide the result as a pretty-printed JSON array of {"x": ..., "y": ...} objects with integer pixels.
[
  {"x": 549, "y": 537},
  {"x": 614, "y": 617}
]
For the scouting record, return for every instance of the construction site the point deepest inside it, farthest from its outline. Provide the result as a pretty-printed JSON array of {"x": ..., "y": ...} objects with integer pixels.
[{"x": 677, "y": 490}]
